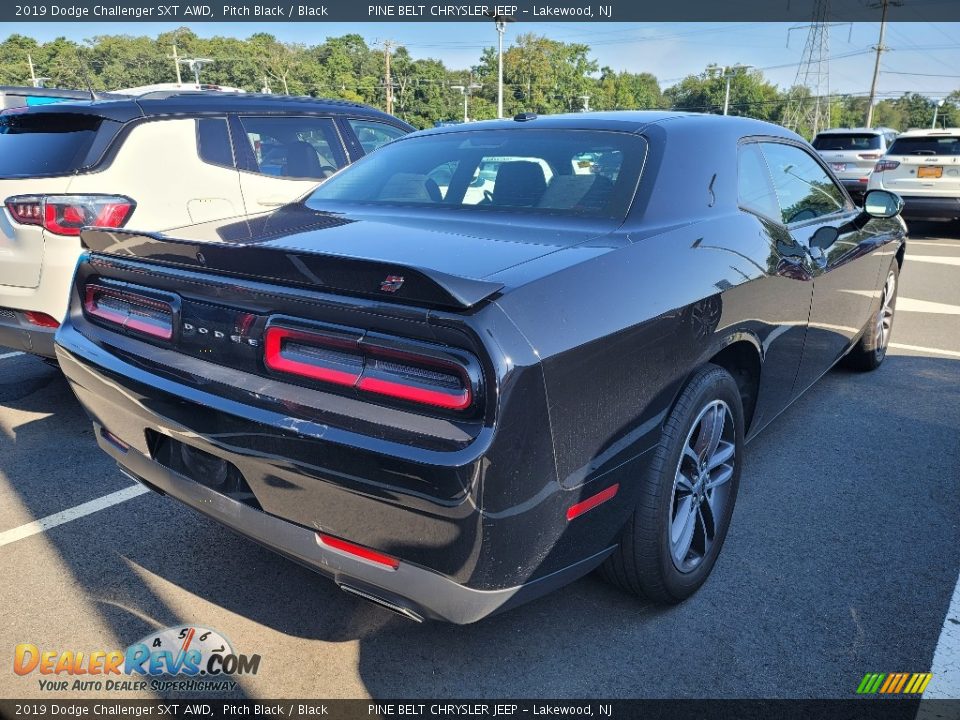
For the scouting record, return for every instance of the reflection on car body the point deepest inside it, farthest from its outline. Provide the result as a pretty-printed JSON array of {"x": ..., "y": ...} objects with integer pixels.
[{"x": 455, "y": 404}]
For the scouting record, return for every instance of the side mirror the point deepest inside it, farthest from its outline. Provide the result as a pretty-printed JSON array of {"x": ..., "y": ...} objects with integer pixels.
[
  {"x": 824, "y": 237},
  {"x": 882, "y": 204}
]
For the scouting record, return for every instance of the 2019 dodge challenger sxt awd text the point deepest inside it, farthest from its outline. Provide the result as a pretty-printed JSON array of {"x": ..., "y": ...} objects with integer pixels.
[{"x": 452, "y": 393}]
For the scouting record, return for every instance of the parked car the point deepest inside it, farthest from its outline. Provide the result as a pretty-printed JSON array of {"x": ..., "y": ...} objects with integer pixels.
[
  {"x": 923, "y": 166},
  {"x": 852, "y": 154},
  {"x": 12, "y": 96},
  {"x": 157, "y": 161},
  {"x": 452, "y": 404}
]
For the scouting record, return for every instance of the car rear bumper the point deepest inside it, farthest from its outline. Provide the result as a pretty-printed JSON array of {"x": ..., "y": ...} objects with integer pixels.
[
  {"x": 414, "y": 592},
  {"x": 18, "y": 334},
  {"x": 458, "y": 562},
  {"x": 931, "y": 208}
]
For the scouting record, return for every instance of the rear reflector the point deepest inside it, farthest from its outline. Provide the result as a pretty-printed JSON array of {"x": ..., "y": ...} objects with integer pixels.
[
  {"x": 394, "y": 369},
  {"x": 68, "y": 214},
  {"x": 129, "y": 310},
  {"x": 40, "y": 319},
  {"x": 385, "y": 561},
  {"x": 591, "y": 502}
]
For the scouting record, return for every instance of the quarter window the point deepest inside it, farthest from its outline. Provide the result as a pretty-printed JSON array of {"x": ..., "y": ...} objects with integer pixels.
[
  {"x": 294, "y": 147},
  {"x": 372, "y": 134},
  {"x": 213, "y": 141},
  {"x": 804, "y": 190},
  {"x": 754, "y": 189}
]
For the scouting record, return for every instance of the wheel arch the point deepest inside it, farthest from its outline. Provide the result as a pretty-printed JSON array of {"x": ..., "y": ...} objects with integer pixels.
[{"x": 742, "y": 357}]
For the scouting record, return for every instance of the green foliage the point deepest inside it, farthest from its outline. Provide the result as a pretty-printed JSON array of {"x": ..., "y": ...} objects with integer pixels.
[{"x": 540, "y": 75}]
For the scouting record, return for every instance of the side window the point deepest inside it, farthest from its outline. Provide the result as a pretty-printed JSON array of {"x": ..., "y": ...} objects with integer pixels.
[
  {"x": 294, "y": 147},
  {"x": 213, "y": 142},
  {"x": 372, "y": 134},
  {"x": 804, "y": 190},
  {"x": 754, "y": 188}
]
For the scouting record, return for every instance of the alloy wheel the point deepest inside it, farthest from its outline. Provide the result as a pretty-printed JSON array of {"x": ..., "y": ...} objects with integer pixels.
[
  {"x": 701, "y": 485},
  {"x": 885, "y": 316}
]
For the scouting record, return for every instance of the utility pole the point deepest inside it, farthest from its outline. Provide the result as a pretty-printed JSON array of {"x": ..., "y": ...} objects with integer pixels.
[
  {"x": 176, "y": 63},
  {"x": 196, "y": 65},
  {"x": 876, "y": 66},
  {"x": 387, "y": 82},
  {"x": 729, "y": 72}
]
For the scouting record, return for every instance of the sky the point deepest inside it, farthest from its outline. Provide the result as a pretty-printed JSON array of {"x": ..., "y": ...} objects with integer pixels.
[{"x": 924, "y": 57}]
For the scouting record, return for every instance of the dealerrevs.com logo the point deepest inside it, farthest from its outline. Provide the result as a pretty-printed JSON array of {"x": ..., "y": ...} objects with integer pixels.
[{"x": 175, "y": 658}]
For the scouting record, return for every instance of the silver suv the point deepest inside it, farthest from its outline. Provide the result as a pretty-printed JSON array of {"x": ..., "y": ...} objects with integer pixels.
[{"x": 852, "y": 154}]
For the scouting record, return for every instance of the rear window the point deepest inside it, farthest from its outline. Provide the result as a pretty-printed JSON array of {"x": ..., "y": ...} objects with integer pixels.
[
  {"x": 45, "y": 143},
  {"x": 587, "y": 173},
  {"x": 847, "y": 141},
  {"x": 931, "y": 145}
]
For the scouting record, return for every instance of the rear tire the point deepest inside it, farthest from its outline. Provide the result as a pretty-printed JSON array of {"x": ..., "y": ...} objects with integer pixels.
[
  {"x": 671, "y": 542},
  {"x": 871, "y": 349}
]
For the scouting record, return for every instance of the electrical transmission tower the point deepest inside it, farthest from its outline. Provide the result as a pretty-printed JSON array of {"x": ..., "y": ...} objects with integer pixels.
[{"x": 812, "y": 113}]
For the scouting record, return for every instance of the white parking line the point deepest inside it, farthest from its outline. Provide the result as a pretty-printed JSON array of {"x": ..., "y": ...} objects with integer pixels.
[
  {"x": 10, "y": 355},
  {"x": 946, "y": 658},
  {"x": 927, "y": 350},
  {"x": 925, "y": 306},
  {"x": 911, "y": 243},
  {"x": 936, "y": 259},
  {"x": 71, "y": 514}
]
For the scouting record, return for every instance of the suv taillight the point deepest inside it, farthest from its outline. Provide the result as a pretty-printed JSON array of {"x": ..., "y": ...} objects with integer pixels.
[
  {"x": 67, "y": 214},
  {"x": 886, "y": 165},
  {"x": 129, "y": 310},
  {"x": 402, "y": 370}
]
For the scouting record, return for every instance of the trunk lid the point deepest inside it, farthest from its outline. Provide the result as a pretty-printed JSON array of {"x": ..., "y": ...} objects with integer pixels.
[{"x": 435, "y": 261}]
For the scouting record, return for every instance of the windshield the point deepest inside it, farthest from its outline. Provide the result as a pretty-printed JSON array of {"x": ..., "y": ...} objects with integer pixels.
[
  {"x": 929, "y": 145},
  {"x": 847, "y": 141},
  {"x": 44, "y": 144},
  {"x": 584, "y": 173}
]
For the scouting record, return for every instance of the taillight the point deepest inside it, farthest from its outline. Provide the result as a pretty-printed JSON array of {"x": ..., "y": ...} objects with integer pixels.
[
  {"x": 41, "y": 319},
  {"x": 67, "y": 214},
  {"x": 408, "y": 371},
  {"x": 886, "y": 165},
  {"x": 129, "y": 310}
]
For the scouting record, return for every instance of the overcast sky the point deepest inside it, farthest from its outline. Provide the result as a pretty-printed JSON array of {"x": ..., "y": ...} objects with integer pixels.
[{"x": 923, "y": 57}]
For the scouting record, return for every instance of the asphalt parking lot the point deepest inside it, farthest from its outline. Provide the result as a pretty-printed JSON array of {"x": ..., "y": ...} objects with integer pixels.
[{"x": 842, "y": 558}]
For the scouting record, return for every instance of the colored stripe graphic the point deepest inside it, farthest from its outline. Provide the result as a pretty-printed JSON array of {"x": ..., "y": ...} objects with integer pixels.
[{"x": 894, "y": 683}]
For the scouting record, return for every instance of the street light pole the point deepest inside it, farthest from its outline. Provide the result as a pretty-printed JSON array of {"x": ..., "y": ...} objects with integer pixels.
[
  {"x": 465, "y": 89},
  {"x": 726, "y": 97},
  {"x": 501, "y": 29},
  {"x": 936, "y": 106}
]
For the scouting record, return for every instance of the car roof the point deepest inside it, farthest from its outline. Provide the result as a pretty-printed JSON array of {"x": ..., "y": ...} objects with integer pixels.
[
  {"x": 859, "y": 130},
  {"x": 631, "y": 121},
  {"x": 179, "y": 102},
  {"x": 915, "y": 132}
]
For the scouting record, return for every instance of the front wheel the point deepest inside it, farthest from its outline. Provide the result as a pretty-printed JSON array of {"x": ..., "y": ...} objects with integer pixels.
[
  {"x": 671, "y": 542},
  {"x": 870, "y": 351}
]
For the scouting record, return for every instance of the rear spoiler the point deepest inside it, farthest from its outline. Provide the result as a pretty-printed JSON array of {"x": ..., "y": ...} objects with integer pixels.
[{"x": 335, "y": 273}]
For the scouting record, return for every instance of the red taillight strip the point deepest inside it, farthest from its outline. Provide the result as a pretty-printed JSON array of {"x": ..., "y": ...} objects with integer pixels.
[
  {"x": 448, "y": 401},
  {"x": 591, "y": 502},
  {"x": 275, "y": 360},
  {"x": 368, "y": 377},
  {"x": 128, "y": 320},
  {"x": 40, "y": 319},
  {"x": 385, "y": 561}
]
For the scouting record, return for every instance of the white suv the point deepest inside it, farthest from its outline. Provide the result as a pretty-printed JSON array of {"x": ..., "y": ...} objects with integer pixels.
[
  {"x": 154, "y": 162},
  {"x": 923, "y": 167},
  {"x": 852, "y": 153}
]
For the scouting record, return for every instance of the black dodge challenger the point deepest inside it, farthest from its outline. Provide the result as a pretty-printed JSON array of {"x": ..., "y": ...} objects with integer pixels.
[{"x": 489, "y": 358}]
